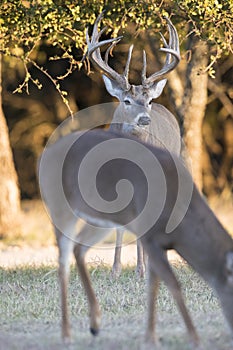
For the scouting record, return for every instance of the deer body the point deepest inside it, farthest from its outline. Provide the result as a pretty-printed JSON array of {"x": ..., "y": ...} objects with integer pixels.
[
  {"x": 199, "y": 238},
  {"x": 163, "y": 130}
]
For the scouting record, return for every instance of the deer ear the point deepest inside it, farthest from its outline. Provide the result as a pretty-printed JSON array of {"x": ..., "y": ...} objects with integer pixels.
[
  {"x": 229, "y": 267},
  {"x": 113, "y": 87},
  {"x": 156, "y": 89}
]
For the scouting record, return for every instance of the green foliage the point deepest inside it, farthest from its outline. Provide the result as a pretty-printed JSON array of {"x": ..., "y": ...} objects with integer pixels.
[
  {"x": 25, "y": 25},
  {"x": 211, "y": 19}
]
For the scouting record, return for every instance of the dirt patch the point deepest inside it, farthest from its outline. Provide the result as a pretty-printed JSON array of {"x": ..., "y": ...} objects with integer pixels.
[{"x": 18, "y": 256}]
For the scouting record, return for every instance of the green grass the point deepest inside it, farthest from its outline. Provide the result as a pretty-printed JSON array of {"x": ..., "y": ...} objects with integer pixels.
[
  {"x": 30, "y": 307},
  {"x": 30, "y": 311}
]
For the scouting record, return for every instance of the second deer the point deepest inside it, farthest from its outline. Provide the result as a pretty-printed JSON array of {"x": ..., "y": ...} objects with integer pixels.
[{"x": 136, "y": 114}]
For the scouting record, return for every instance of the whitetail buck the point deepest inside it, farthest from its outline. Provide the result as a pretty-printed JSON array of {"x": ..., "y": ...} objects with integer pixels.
[
  {"x": 136, "y": 114},
  {"x": 112, "y": 179}
]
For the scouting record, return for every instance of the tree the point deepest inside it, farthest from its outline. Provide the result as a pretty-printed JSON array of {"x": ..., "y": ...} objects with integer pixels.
[
  {"x": 195, "y": 100},
  {"x": 10, "y": 198},
  {"x": 210, "y": 36}
]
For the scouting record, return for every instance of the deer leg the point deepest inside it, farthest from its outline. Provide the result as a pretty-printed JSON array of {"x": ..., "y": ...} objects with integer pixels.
[
  {"x": 140, "y": 269},
  {"x": 159, "y": 264},
  {"x": 65, "y": 246},
  {"x": 87, "y": 237},
  {"x": 116, "y": 268},
  {"x": 153, "y": 287},
  {"x": 94, "y": 309}
]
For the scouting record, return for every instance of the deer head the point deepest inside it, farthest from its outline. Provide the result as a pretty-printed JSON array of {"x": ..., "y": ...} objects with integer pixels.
[{"x": 136, "y": 99}]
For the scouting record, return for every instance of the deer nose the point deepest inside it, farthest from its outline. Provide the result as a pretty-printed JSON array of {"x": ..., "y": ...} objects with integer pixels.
[{"x": 143, "y": 120}]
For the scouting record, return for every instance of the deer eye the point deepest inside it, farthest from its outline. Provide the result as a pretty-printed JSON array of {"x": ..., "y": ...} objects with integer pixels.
[{"x": 127, "y": 102}]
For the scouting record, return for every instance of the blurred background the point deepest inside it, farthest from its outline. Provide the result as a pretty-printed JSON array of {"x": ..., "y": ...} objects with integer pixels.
[{"x": 199, "y": 92}]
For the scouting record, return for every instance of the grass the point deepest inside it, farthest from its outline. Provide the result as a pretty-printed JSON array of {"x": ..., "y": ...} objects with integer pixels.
[
  {"x": 30, "y": 307},
  {"x": 30, "y": 311}
]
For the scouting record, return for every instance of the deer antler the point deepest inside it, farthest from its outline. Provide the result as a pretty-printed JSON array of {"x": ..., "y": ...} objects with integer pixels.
[
  {"x": 172, "y": 57},
  {"x": 94, "y": 54}
]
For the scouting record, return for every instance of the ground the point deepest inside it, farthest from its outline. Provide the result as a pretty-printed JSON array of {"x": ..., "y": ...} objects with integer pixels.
[
  {"x": 17, "y": 256},
  {"x": 30, "y": 308}
]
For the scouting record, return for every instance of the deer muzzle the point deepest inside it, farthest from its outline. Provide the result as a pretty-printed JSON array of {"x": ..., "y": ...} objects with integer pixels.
[{"x": 143, "y": 120}]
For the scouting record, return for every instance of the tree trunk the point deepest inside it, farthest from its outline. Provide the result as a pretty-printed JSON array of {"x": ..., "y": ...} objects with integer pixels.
[
  {"x": 10, "y": 198},
  {"x": 195, "y": 100},
  {"x": 189, "y": 99}
]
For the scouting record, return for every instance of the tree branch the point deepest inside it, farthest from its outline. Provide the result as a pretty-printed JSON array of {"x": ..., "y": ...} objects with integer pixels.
[{"x": 218, "y": 91}]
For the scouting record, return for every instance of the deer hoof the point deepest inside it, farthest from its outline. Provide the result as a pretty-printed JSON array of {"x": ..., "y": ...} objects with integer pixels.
[{"x": 94, "y": 331}]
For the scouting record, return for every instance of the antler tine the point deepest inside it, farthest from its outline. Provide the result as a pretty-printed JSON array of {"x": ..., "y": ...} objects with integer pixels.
[
  {"x": 115, "y": 42},
  {"x": 168, "y": 56},
  {"x": 126, "y": 71},
  {"x": 144, "y": 67},
  {"x": 173, "y": 40},
  {"x": 98, "y": 35},
  {"x": 97, "y": 21},
  {"x": 172, "y": 57},
  {"x": 94, "y": 53},
  {"x": 92, "y": 48}
]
